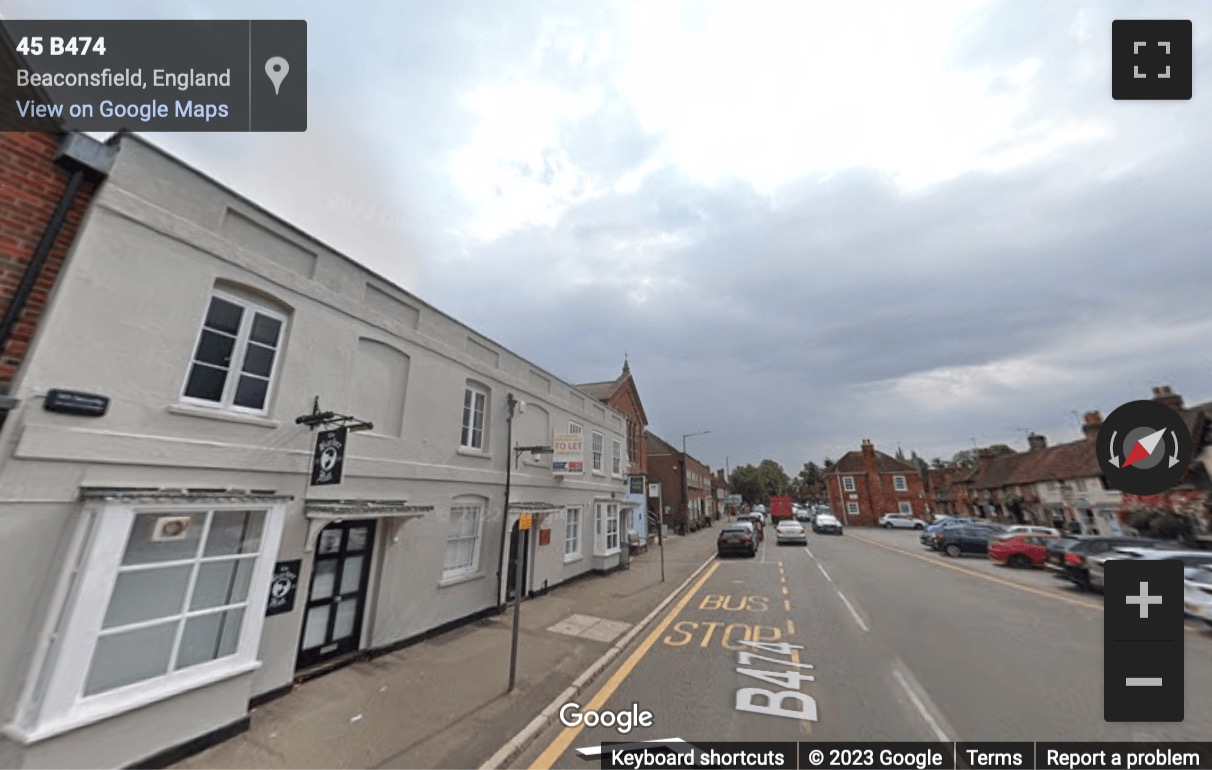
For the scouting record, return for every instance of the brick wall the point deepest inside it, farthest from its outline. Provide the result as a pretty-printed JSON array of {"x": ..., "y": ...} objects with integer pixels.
[{"x": 30, "y": 188}]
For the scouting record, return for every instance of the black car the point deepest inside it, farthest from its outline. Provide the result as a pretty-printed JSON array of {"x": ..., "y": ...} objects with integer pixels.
[
  {"x": 1069, "y": 563},
  {"x": 739, "y": 537},
  {"x": 965, "y": 538}
]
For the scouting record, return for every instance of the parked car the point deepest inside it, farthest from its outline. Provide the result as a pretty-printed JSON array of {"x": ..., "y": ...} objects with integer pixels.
[
  {"x": 1035, "y": 530},
  {"x": 789, "y": 531},
  {"x": 1019, "y": 549},
  {"x": 738, "y": 537},
  {"x": 1070, "y": 564},
  {"x": 1197, "y": 601},
  {"x": 901, "y": 521},
  {"x": 966, "y": 538},
  {"x": 825, "y": 523},
  {"x": 927, "y": 537},
  {"x": 1096, "y": 565}
]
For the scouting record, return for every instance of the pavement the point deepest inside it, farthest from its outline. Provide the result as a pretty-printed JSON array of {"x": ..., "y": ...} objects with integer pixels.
[
  {"x": 443, "y": 703},
  {"x": 869, "y": 637}
]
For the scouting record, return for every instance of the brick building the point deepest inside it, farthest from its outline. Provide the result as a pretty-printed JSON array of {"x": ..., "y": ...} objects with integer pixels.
[
  {"x": 46, "y": 183},
  {"x": 665, "y": 466},
  {"x": 866, "y": 484}
]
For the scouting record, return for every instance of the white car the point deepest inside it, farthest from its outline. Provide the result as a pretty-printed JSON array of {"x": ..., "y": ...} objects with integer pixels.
[
  {"x": 1198, "y": 599},
  {"x": 790, "y": 532},
  {"x": 901, "y": 521},
  {"x": 1034, "y": 530},
  {"x": 1096, "y": 565}
]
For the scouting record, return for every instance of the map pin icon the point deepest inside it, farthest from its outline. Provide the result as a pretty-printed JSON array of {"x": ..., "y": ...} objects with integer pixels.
[{"x": 277, "y": 67}]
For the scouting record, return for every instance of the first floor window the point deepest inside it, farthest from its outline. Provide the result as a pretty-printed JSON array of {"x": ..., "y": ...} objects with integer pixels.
[
  {"x": 852, "y": 508},
  {"x": 906, "y": 508},
  {"x": 899, "y": 484},
  {"x": 572, "y": 533},
  {"x": 236, "y": 355},
  {"x": 475, "y": 406},
  {"x": 462, "y": 541},
  {"x": 616, "y": 457},
  {"x": 848, "y": 483},
  {"x": 167, "y": 598},
  {"x": 598, "y": 441}
]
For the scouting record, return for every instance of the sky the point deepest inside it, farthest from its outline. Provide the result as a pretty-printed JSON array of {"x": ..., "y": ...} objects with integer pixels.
[{"x": 804, "y": 223}]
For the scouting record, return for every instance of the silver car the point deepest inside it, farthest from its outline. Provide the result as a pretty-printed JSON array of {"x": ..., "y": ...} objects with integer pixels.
[{"x": 790, "y": 532}]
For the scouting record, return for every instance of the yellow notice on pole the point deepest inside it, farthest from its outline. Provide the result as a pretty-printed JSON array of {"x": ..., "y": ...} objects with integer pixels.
[{"x": 524, "y": 521}]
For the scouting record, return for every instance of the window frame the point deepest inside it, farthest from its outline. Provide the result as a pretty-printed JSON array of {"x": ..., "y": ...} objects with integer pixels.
[
  {"x": 460, "y": 573},
  {"x": 575, "y": 428},
  {"x": 848, "y": 484},
  {"x": 573, "y": 521},
  {"x": 602, "y": 518},
  {"x": 475, "y": 389},
  {"x": 56, "y": 704},
  {"x": 597, "y": 456},
  {"x": 900, "y": 484},
  {"x": 852, "y": 508},
  {"x": 905, "y": 508},
  {"x": 616, "y": 458},
  {"x": 226, "y": 403}
]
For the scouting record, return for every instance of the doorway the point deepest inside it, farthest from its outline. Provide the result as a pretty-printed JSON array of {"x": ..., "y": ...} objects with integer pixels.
[
  {"x": 336, "y": 599},
  {"x": 519, "y": 541}
]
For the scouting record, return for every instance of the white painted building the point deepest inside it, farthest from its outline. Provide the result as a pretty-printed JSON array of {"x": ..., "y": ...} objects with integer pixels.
[{"x": 145, "y": 540}]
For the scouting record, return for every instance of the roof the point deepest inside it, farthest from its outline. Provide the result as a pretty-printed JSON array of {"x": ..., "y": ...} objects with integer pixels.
[
  {"x": 604, "y": 391},
  {"x": 667, "y": 448},
  {"x": 852, "y": 462}
]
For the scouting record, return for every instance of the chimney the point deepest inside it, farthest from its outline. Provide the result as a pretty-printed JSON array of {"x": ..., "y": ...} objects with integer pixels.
[
  {"x": 1091, "y": 422},
  {"x": 986, "y": 459},
  {"x": 1163, "y": 395},
  {"x": 875, "y": 493},
  {"x": 1037, "y": 443},
  {"x": 868, "y": 450}
]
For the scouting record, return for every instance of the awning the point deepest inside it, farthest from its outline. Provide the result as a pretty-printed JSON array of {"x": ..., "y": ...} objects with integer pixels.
[
  {"x": 321, "y": 513},
  {"x": 178, "y": 496},
  {"x": 535, "y": 507}
]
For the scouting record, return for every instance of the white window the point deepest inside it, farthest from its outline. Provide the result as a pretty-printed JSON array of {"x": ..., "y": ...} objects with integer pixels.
[
  {"x": 598, "y": 445},
  {"x": 1080, "y": 484},
  {"x": 898, "y": 483},
  {"x": 905, "y": 508},
  {"x": 236, "y": 356},
  {"x": 575, "y": 428},
  {"x": 572, "y": 534},
  {"x": 848, "y": 483},
  {"x": 616, "y": 457},
  {"x": 606, "y": 529},
  {"x": 852, "y": 508},
  {"x": 166, "y": 599},
  {"x": 475, "y": 407},
  {"x": 463, "y": 541}
]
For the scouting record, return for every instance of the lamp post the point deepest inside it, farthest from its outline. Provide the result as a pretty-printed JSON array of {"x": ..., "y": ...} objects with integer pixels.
[{"x": 685, "y": 485}]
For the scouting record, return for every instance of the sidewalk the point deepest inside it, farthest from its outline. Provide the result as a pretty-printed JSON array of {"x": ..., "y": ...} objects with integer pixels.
[{"x": 442, "y": 703}]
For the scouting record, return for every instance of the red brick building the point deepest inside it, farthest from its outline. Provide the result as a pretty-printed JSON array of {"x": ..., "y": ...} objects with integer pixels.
[
  {"x": 621, "y": 394},
  {"x": 46, "y": 184},
  {"x": 665, "y": 466},
  {"x": 866, "y": 484}
]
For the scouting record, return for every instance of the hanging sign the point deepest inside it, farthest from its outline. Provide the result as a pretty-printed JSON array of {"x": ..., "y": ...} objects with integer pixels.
[
  {"x": 329, "y": 459},
  {"x": 636, "y": 485},
  {"x": 283, "y": 587}
]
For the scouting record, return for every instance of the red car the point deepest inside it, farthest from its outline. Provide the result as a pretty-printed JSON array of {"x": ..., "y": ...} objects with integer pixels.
[{"x": 1020, "y": 549}]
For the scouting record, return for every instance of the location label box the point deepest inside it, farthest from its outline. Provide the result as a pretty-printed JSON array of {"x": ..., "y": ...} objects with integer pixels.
[
  {"x": 154, "y": 76},
  {"x": 1143, "y": 637}
]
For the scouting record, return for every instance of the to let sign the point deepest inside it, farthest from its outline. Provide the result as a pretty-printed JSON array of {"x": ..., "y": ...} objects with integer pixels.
[
  {"x": 329, "y": 459},
  {"x": 568, "y": 457},
  {"x": 283, "y": 587}
]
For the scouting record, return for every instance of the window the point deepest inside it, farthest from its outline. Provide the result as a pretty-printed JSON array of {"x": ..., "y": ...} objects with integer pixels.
[
  {"x": 598, "y": 444},
  {"x": 633, "y": 443},
  {"x": 898, "y": 483},
  {"x": 166, "y": 599},
  {"x": 606, "y": 528},
  {"x": 852, "y": 508},
  {"x": 236, "y": 355},
  {"x": 462, "y": 541},
  {"x": 1051, "y": 485},
  {"x": 475, "y": 406},
  {"x": 575, "y": 428},
  {"x": 1080, "y": 484},
  {"x": 848, "y": 483},
  {"x": 572, "y": 534},
  {"x": 905, "y": 508},
  {"x": 616, "y": 457}
]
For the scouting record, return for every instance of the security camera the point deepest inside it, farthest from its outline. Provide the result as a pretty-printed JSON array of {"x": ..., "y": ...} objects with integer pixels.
[{"x": 521, "y": 407}]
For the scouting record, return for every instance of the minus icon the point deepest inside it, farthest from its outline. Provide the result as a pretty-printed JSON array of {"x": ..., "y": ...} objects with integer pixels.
[{"x": 1143, "y": 681}]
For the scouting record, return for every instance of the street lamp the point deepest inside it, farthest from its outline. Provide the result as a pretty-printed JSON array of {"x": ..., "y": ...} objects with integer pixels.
[{"x": 685, "y": 486}]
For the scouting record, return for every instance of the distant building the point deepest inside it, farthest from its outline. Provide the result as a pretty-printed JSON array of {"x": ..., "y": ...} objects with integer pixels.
[
  {"x": 865, "y": 485},
  {"x": 672, "y": 469}
]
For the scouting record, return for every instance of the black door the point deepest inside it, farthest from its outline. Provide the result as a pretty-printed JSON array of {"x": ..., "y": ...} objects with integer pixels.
[
  {"x": 522, "y": 536},
  {"x": 336, "y": 599}
]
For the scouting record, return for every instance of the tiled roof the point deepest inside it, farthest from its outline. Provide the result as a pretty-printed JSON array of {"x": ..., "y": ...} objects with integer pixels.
[
  {"x": 602, "y": 391},
  {"x": 852, "y": 462}
]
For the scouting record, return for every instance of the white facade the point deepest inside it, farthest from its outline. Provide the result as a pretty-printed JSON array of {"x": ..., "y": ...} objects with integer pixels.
[
  {"x": 146, "y": 540},
  {"x": 1087, "y": 500}
]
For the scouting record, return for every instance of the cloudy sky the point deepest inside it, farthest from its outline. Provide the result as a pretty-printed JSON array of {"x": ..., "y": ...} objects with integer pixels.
[{"x": 806, "y": 223}]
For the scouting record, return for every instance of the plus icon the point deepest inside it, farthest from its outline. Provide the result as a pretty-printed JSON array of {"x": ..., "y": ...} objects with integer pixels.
[
  {"x": 1144, "y": 600},
  {"x": 1151, "y": 59}
]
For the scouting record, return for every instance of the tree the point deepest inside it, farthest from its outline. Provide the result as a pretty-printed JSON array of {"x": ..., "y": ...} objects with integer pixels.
[
  {"x": 812, "y": 483},
  {"x": 744, "y": 481},
  {"x": 971, "y": 457},
  {"x": 773, "y": 480},
  {"x": 937, "y": 463}
]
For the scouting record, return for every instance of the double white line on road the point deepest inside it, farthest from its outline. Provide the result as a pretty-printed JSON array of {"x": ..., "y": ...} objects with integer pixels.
[{"x": 853, "y": 612}]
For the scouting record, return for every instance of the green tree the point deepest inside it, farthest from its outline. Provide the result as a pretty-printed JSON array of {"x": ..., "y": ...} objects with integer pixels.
[
  {"x": 773, "y": 480},
  {"x": 970, "y": 457},
  {"x": 744, "y": 481},
  {"x": 812, "y": 483}
]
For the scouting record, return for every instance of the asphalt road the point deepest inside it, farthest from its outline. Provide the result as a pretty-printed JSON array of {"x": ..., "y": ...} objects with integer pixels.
[{"x": 889, "y": 642}]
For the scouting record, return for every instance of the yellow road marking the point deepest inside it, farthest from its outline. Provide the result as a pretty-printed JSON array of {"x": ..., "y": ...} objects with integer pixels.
[
  {"x": 784, "y": 590},
  {"x": 553, "y": 752},
  {"x": 787, "y": 605},
  {"x": 991, "y": 578},
  {"x": 790, "y": 627}
]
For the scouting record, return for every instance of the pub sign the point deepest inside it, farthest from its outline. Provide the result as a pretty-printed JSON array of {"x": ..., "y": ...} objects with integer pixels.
[
  {"x": 636, "y": 485},
  {"x": 329, "y": 460},
  {"x": 283, "y": 587}
]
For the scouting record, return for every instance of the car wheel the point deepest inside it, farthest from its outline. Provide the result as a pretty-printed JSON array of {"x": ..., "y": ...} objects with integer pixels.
[
  {"x": 953, "y": 550},
  {"x": 1019, "y": 560},
  {"x": 888, "y": 525},
  {"x": 918, "y": 526}
]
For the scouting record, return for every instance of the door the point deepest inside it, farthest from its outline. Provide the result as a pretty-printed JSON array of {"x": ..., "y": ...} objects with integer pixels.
[
  {"x": 336, "y": 599},
  {"x": 513, "y": 560}
]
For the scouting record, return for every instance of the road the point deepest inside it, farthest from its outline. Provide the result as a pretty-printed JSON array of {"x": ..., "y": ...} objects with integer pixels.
[{"x": 900, "y": 644}]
